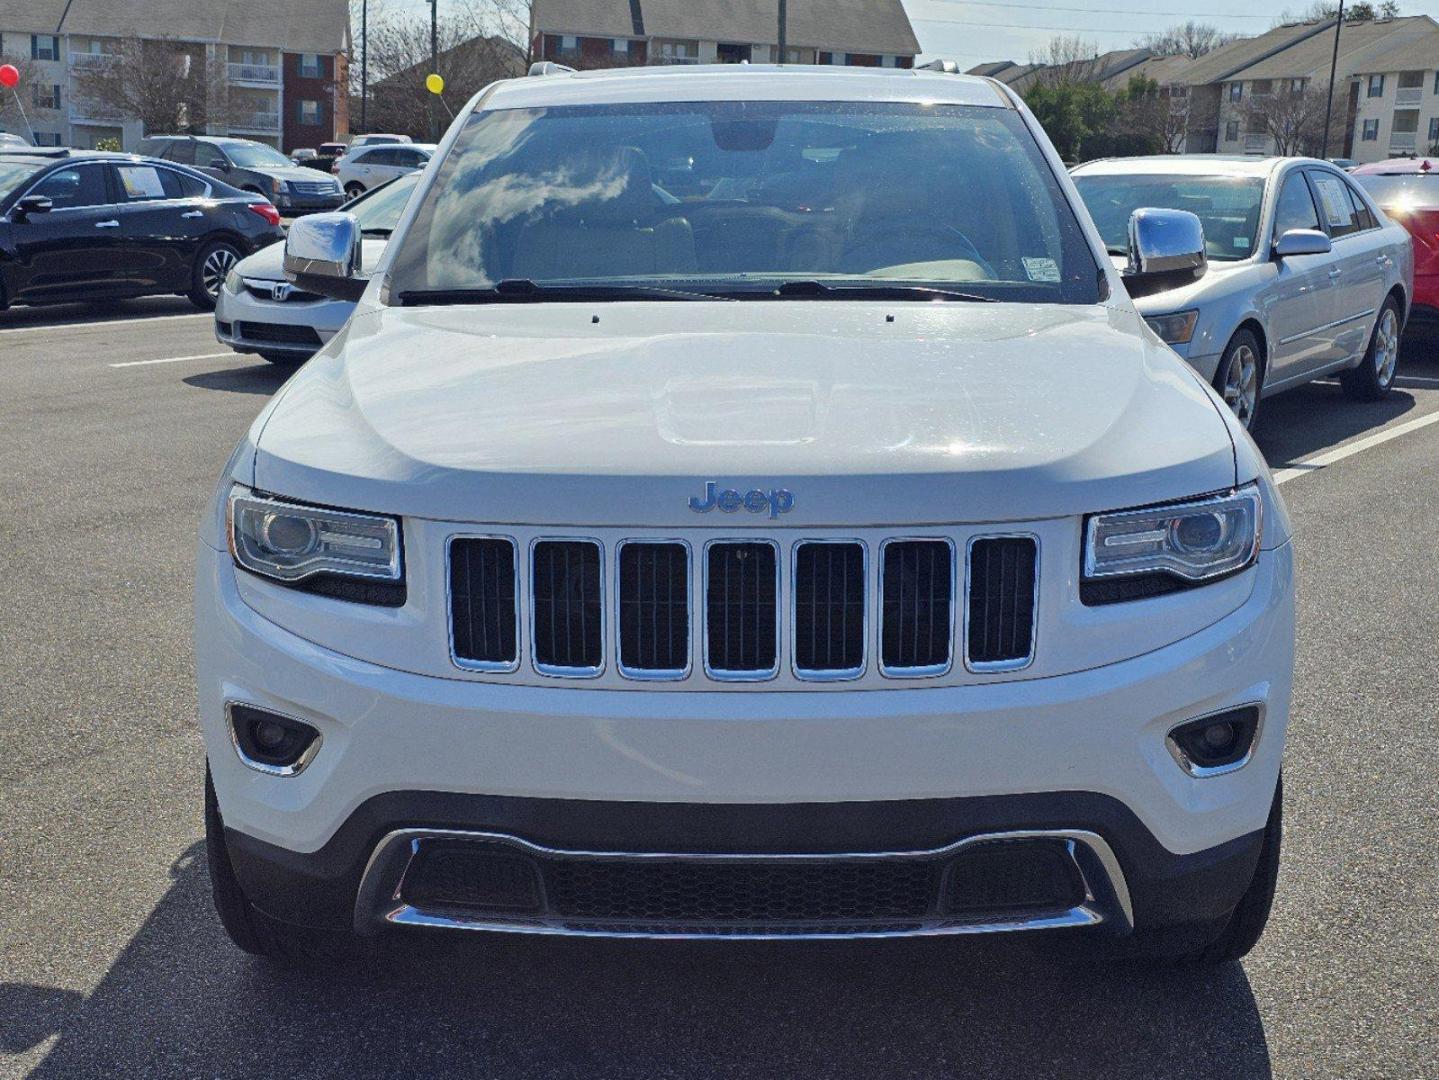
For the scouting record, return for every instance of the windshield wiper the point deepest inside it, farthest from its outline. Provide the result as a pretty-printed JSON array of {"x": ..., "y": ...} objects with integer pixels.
[
  {"x": 823, "y": 290},
  {"x": 525, "y": 291},
  {"x": 1113, "y": 249}
]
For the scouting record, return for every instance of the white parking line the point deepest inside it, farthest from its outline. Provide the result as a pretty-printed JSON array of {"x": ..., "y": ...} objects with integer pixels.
[
  {"x": 1329, "y": 457},
  {"x": 104, "y": 322},
  {"x": 1417, "y": 378},
  {"x": 174, "y": 359}
]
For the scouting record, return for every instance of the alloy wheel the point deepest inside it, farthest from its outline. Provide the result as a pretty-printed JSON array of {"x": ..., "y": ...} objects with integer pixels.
[
  {"x": 1386, "y": 347},
  {"x": 1241, "y": 384},
  {"x": 217, "y": 265}
]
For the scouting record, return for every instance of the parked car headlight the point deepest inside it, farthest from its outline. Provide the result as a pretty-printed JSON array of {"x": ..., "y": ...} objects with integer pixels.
[
  {"x": 290, "y": 542},
  {"x": 233, "y": 281},
  {"x": 1175, "y": 329},
  {"x": 1193, "y": 541}
]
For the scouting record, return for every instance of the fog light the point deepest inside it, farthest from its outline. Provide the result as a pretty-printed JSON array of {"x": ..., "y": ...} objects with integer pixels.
[
  {"x": 271, "y": 743},
  {"x": 1212, "y": 745}
]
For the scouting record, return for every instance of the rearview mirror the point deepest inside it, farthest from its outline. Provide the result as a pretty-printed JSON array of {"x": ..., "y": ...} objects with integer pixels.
[
  {"x": 31, "y": 204},
  {"x": 1302, "y": 242},
  {"x": 322, "y": 255},
  {"x": 1166, "y": 250}
]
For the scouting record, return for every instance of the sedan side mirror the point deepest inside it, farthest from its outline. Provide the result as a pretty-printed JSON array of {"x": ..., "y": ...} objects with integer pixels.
[
  {"x": 1166, "y": 250},
  {"x": 322, "y": 255},
  {"x": 1302, "y": 242},
  {"x": 31, "y": 204}
]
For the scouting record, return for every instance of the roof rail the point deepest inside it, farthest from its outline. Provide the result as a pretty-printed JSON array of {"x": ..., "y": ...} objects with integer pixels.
[
  {"x": 948, "y": 67},
  {"x": 549, "y": 67}
]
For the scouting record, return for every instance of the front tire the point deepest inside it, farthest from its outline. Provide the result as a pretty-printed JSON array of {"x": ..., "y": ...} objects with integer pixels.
[
  {"x": 207, "y": 276},
  {"x": 1374, "y": 377},
  {"x": 252, "y": 930},
  {"x": 1239, "y": 379}
]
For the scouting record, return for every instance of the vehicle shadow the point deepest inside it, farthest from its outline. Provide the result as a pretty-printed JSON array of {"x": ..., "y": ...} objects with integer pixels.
[
  {"x": 262, "y": 378},
  {"x": 180, "y": 1001},
  {"x": 94, "y": 311},
  {"x": 1300, "y": 422}
]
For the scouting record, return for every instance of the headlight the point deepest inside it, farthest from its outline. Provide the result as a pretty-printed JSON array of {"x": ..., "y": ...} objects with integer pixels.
[
  {"x": 290, "y": 542},
  {"x": 277, "y": 185},
  {"x": 1189, "y": 543},
  {"x": 233, "y": 281},
  {"x": 1174, "y": 329}
]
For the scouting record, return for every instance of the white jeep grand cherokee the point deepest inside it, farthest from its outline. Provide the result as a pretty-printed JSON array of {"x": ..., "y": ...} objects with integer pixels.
[{"x": 744, "y": 503}]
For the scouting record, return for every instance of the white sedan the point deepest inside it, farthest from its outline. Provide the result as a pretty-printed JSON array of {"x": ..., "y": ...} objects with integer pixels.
[{"x": 1305, "y": 277}]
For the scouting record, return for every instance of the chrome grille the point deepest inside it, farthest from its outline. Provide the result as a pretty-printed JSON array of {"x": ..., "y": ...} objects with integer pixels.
[
  {"x": 314, "y": 187},
  {"x": 742, "y": 609},
  {"x": 917, "y": 586},
  {"x": 829, "y": 626},
  {"x": 654, "y": 610},
  {"x": 999, "y": 607},
  {"x": 568, "y": 635},
  {"x": 484, "y": 620}
]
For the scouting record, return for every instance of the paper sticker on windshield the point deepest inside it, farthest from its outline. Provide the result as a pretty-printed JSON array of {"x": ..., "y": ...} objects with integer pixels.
[
  {"x": 1041, "y": 269},
  {"x": 1241, "y": 243},
  {"x": 141, "y": 182}
]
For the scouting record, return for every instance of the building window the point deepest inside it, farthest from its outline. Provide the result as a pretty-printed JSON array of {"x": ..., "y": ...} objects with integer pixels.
[
  {"x": 620, "y": 47},
  {"x": 311, "y": 66},
  {"x": 1411, "y": 80},
  {"x": 1231, "y": 131},
  {"x": 1376, "y": 85},
  {"x": 1262, "y": 86},
  {"x": 47, "y": 138},
  {"x": 1406, "y": 122},
  {"x": 311, "y": 113},
  {"x": 1434, "y": 129},
  {"x": 44, "y": 47},
  {"x": 1371, "y": 131},
  {"x": 1296, "y": 86},
  {"x": 1236, "y": 91},
  {"x": 45, "y": 97}
]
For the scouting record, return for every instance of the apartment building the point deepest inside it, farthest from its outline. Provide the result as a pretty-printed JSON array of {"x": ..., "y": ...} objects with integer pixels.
[
  {"x": 283, "y": 64},
  {"x": 1396, "y": 101},
  {"x": 614, "y": 33}
]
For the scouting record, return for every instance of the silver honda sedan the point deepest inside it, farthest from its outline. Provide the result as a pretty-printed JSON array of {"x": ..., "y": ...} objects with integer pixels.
[
  {"x": 1304, "y": 275},
  {"x": 258, "y": 311}
]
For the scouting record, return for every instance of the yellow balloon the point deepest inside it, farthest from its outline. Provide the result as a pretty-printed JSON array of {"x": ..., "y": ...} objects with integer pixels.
[{"x": 434, "y": 84}]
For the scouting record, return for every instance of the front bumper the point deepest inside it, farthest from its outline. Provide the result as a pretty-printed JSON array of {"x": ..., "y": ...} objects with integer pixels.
[
  {"x": 295, "y": 205},
  {"x": 903, "y": 770},
  {"x": 250, "y": 324}
]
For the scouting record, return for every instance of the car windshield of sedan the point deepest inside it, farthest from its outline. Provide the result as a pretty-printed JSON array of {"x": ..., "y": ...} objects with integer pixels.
[
  {"x": 1227, "y": 206},
  {"x": 741, "y": 199},
  {"x": 13, "y": 174},
  {"x": 1402, "y": 192},
  {"x": 379, "y": 212},
  {"x": 248, "y": 156}
]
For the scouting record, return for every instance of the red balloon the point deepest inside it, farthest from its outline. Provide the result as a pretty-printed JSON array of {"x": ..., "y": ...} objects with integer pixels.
[{"x": 9, "y": 75}]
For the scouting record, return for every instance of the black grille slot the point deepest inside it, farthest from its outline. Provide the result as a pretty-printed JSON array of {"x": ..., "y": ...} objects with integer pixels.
[
  {"x": 654, "y": 608},
  {"x": 829, "y": 609},
  {"x": 482, "y": 602},
  {"x": 1001, "y": 601},
  {"x": 918, "y": 581},
  {"x": 568, "y": 638},
  {"x": 279, "y": 333},
  {"x": 740, "y": 611}
]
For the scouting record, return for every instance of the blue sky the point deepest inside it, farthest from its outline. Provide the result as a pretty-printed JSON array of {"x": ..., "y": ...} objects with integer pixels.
[{"x": 972, "y": 32}]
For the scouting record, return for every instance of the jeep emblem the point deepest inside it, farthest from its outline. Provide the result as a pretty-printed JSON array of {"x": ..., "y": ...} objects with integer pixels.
[{"x": 776, "y": 501}]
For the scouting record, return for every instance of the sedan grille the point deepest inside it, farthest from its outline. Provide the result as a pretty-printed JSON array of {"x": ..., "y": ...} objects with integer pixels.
[
  {"x": 567, "y": 619},
  {"x": 279, "y": 334}
]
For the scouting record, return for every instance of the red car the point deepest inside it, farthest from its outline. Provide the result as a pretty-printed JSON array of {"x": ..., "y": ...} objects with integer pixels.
[{"x": 1408, "y": 191}]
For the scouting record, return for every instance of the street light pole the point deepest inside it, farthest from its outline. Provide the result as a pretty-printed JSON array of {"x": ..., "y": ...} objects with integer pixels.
[
  {"x": 364, "y": 64},
  {"x": 783, "y": 26},
  {"x": 434, "y": 66},
  {"x": 1333, "y": 72}
]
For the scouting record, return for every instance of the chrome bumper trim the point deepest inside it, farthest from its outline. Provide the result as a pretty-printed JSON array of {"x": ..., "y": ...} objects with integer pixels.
[{"x": 379, "y": 902}]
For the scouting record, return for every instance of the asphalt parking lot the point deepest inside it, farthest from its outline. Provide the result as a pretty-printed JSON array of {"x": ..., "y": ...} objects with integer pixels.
[{"x": 114, "y": 424}]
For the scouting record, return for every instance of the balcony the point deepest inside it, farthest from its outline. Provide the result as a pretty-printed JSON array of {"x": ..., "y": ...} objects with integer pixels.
[
  {"x": 268, "y": 122},
  {"x": 257, "y": 74},
  {"x": 1256, "y": 144},
  {"x": 89, "y": 59},
  {"x": 1403, "y": 142},
  {"x": 90, "y": 112},
  {"x": 1409, "y": 95}
]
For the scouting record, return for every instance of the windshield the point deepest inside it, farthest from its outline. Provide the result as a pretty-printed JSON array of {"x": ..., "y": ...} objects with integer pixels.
[
  {"x": 1227, "y": 206},
  {"x": 12, "y": 175},
  {"x": 255, "y": 155},
  {"x": 379, "y": 211},
  {"x": 740, "y": 198},
  {"x": 1403, "y": 192}
]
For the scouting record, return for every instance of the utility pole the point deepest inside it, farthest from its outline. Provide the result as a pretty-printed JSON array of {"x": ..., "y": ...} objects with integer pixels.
[
  {"x": 364, "y": 64},
  {"x": 434, "y": 66},
  {"x": 1333, "y": 72},
  {"x": 783, "y": 26}
]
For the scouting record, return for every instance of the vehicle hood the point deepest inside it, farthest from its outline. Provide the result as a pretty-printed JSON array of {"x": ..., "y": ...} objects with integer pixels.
[
  {"x": 268, "y": 264},
  {"x": 618, "y": 414},
  {"x": 292, "y": 172}
]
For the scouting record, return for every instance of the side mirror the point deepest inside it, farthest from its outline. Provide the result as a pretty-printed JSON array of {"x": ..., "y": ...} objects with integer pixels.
[
  {"x": 322, "y": 255},
  {"x": 1166, "y": 250},
  {"x": 31, "y": 204},
  {"x": 1302, "y": 242}
]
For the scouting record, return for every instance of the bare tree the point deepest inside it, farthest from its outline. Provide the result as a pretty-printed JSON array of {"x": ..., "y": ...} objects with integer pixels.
[
  {"x": 169, "y": 86},
  {"x": 1191, "y": 39},
  {"x": 1362, "y": 11},
  {"x": 1066, "y": 60},
  {"x": 1293, "y": 118}
]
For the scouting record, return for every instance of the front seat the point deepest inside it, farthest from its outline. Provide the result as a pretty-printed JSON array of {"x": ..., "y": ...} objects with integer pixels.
[{"x": 616, "y": 226}]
